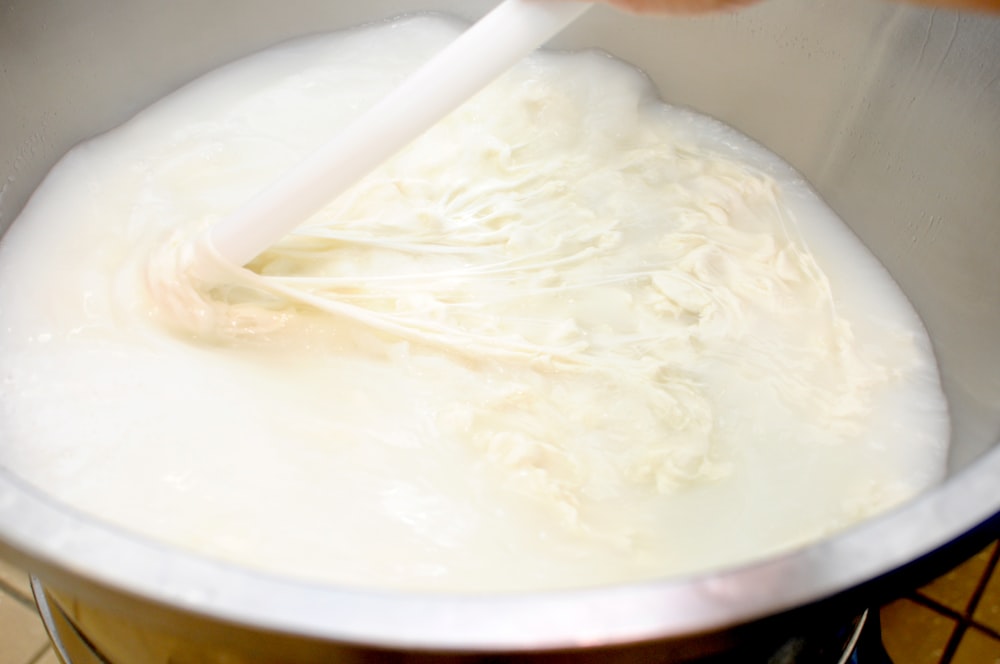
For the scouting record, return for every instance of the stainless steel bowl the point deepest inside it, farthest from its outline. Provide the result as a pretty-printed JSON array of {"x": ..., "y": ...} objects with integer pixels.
[{"x": 892, "y": 112}]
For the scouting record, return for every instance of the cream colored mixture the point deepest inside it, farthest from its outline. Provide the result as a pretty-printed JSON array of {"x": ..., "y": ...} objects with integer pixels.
[{"x": 571, "y": 336}]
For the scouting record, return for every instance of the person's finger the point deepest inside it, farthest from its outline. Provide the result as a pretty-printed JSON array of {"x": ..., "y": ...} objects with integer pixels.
[
  {"x": 679, "y": 6},
  {"x": 985, "y": 5},
  {"x": 705, "y": 6}
]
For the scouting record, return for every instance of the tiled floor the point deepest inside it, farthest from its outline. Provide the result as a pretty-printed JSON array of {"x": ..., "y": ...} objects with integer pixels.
[{"x": 953, "y": 620}]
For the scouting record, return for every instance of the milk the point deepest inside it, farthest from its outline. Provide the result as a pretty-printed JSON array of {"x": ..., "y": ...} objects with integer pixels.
[{"x": 571, "y": 336}]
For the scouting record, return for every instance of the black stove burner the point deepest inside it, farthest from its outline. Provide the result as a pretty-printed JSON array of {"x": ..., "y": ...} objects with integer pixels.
[
  {"x": 870, "y": 649},
  {"x": 858, "y": 642}
]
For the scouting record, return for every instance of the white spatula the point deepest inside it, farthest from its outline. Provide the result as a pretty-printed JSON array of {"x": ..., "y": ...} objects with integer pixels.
[{"x": 478, "y": 56}]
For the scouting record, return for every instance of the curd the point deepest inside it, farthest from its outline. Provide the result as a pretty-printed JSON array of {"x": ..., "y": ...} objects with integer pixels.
[{"x": 571, "y": 336}]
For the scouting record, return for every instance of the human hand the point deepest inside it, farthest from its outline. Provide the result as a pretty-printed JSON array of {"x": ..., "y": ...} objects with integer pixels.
[
  {"x": 678, "y": 6},
  {"x": 706, "y": 6}
]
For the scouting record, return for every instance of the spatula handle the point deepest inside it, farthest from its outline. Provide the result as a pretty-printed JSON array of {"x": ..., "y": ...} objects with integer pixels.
[{"x": 478, "y": 56}]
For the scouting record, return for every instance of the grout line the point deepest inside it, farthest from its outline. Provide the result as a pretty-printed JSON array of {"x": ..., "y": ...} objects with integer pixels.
[
  {"x": 954, "y": 640},
  {"x": 988, "y": 631},
  {"x": 937, "y": 607},
  {"x": 16, "y": 595},
  {"x": 964, "y": 622},
  {"x": 984, "y": 580},
  {"x": 964, "y": 619},
  {"x": 40, "y": 654}
]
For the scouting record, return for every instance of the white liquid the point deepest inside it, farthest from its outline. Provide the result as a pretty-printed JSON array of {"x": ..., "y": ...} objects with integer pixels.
[{"x": 569, "y": 337}]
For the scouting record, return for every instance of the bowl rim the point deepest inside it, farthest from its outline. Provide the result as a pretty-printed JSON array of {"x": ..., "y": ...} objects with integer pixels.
[{"x": 50, "y": 538}]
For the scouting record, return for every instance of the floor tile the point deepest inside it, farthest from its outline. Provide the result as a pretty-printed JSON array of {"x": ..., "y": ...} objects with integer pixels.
[
  {"x": 13, "y": 578},
  {"x": 988, "y": 610},
  {"x": 977, "y": 648},
  {"x": 955, "y": 588},
  {"x": 21, "y": 633},
  {"x": 914, "y": 634}
]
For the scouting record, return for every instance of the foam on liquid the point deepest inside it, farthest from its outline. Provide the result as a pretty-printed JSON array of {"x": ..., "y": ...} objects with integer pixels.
[{"x": 571, "y": 336}]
